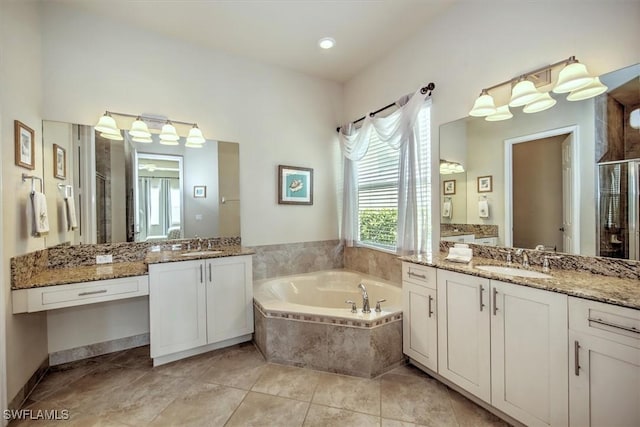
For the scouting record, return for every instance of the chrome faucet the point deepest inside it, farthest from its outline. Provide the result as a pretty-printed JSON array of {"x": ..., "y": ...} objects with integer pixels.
[
  {"x": 365, "y": 299},
  {"x": 525, "y": 257}
]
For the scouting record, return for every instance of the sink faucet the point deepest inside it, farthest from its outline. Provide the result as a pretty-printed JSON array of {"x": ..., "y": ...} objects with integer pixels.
[
  {"x": 525, "y": 257},
  {"x": 365, "y": 299}
]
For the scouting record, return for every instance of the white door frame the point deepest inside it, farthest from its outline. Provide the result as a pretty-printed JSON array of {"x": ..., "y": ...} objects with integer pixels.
[
  {"x": 575, "y": 182},
  {"x": 3, "y": 317}
]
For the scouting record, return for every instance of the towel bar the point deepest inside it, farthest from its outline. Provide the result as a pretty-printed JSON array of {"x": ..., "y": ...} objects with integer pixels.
[{"x": 33, "y": 179}]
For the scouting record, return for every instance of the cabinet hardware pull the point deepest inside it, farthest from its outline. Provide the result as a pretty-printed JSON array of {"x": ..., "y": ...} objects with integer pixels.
[
  {"x": 101, "y": 291},
  {"x": 421, "y": 276},
  {"x": 576, "y": 358},
  {"x": 613, "y": 325},
  {"x": 430, "y": 310},
  {"x": 481, "y": 303},
  {"x": 495, "y": 301},
  {"x": 200, "y": 273},
  {"x": 209, "y": 272}
]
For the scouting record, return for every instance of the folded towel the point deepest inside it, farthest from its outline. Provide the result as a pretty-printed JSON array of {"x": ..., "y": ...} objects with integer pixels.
[
  {"x": 459, "y": 254},
  {"x": 446, "y": 209},
  {"x": 40, "y": 216},
  {"x": 72, "y": 220},
  {"x": 483, "y": 209}
]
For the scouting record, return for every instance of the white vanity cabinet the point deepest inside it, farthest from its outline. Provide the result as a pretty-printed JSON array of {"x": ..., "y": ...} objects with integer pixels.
[
  {"x": 506, "y": 344},
  {"x": 197, "y": 306},
  {"x": 420, "y": 326},
  {"x": 604, "y": 364}
]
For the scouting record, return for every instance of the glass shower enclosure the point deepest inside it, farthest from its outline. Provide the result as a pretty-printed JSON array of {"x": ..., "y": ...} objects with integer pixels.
[{"x": 618, "y": 209}]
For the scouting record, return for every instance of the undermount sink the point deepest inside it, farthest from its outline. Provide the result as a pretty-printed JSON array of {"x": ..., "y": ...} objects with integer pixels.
[
  {"x": 513, "y": 271},
  {"x": 201, "y": 253}
]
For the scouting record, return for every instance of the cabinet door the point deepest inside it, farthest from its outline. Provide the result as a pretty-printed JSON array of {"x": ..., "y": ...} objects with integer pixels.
[
  {"x": 529, "y": 333},
  {"x": 463, "y": 332},
  {"x": 177, "y": 307},
  {"x": 229, "y": 298},
  {"x": 604, "y": 382},
  {"x": 420, "y": 328}
]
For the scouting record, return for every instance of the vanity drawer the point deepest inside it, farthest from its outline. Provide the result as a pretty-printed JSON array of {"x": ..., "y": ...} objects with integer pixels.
[
  {"x": 419, "y": 274},
  {"x": 611, "y": 322},
  {"x": 61, "y": 296}
]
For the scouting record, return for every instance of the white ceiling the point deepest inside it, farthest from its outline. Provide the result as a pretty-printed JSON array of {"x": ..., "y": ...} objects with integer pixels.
[{"x": 282, "y": 32}]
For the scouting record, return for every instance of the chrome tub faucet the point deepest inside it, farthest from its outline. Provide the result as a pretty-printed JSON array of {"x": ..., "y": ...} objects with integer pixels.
[{"x": 365, "y": 299}]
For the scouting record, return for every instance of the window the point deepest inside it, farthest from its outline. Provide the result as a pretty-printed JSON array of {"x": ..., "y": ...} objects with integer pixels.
[{"x": 378, "y": 174}]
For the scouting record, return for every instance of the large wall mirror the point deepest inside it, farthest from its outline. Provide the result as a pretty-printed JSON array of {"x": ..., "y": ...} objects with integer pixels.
[
  {"x": 538, "y": 179},
  {"x": 131, "y": 191}
]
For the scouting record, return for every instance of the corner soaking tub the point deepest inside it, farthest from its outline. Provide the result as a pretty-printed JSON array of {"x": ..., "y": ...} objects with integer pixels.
[{"x": 303, "y": 320}]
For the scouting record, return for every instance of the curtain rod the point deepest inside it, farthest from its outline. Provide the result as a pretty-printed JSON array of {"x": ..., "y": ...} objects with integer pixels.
[{"x": 423, "y": 90}]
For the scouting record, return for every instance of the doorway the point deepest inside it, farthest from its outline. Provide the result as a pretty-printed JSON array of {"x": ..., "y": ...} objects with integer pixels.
[{"x": 541, "y": 191}]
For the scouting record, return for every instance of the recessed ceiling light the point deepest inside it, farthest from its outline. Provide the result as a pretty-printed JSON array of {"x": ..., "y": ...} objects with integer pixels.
[{"x": 326, "y": 42}]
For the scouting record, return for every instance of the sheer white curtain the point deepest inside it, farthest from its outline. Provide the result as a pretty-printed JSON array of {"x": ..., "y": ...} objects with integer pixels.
[{"x": 400, "y": 131}]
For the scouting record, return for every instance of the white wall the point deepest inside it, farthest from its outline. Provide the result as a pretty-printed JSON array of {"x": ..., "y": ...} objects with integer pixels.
[
  {"x": 477, "y": 44},
  {"x": 277, "y": 116},
  {"x": 20, "y": 99}
]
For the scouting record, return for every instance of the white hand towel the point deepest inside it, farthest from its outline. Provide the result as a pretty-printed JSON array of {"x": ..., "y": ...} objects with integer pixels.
[
  {"x": 72, "y": 220},
  {"x": 40, "y": 216},
  {"x": 460, "y": 254},
  {"x": 483, "y": 209},
  {"x": 446, "y": 209}
]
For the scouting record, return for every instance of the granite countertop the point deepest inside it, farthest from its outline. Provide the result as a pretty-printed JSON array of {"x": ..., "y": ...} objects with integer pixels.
[
  {"x": 467, "y": 233},
  {"x": 116, "y": 270},
  {"x": 85, "y": 273},
  {"x": 612, "y": 290}
]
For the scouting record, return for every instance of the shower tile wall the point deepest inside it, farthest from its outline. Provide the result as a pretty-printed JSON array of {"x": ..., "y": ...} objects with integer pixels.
[
  {"x": 375, "y": 263},
  {"x": 296, "y": 258}
]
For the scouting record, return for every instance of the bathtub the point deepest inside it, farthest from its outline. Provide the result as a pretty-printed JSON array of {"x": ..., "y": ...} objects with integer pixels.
[{"x": 303, "y": 320}]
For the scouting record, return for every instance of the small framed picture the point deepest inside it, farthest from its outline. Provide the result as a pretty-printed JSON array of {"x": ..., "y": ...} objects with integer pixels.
[
  {"x": 295, "y": 185},
  {"x": 200, "y": 191},
  {"x": 25, "y": 145},
  {"x": 485, "y": 184},
  {"x": 449, "y": 187},
  {"x": 59, "y": 162}
]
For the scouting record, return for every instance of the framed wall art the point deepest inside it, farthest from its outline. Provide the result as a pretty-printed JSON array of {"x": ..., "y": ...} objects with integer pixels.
[
  {"x": 449, "y": 187},
  {"x": 200, "y": 191},
  {"x": 295, "y": 185},
  {"x": 485, "y": 184},
  {"x": 59, "y": 162},
  {"x": 25, "y": 145}
]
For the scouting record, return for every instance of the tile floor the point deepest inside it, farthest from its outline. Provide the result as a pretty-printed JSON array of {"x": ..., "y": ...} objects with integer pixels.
[{"x": 236, "y": 387}]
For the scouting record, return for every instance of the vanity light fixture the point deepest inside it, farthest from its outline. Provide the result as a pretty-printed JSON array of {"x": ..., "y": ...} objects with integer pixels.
[
  {"x": 139, "y": 130},
  {"x": 447, "y": 167},
  {"x": 573, "y": 79},
  {"x": 502, "y": 113}
]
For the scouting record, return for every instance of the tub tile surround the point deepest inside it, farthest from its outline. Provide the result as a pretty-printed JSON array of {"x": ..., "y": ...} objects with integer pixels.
[
  {"x": 296, "y": 258},
  {"x": 374, "y": 263},
  {"x": 65, "y": 264},
  {"x": 600, "y": 279},
  {"x": 478, "y": 230},
  {"x": 330, "y": 345}
]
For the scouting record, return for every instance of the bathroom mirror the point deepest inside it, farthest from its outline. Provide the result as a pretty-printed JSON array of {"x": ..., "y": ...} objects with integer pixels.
[
  {"x": 542, "y": 170},
  {"x": 105, "y": 175}
]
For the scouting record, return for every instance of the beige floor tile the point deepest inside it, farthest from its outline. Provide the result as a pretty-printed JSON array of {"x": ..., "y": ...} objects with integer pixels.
[
  {"x": 192, "y": 367},
  {"x": 141, "y": 401},
  {"x": 59, "y": 378},
  {"x": 287, "y": 381},
  {"x": 238, "y": 368},
  {"x": 469, "y": 414},
  {"x": 75, "y": 418},
  {"x": 323, "y": 416},
  {"x": 201, "y": 405},
  {"x": 417, "y": 400},
  {"x": 408, "y": 370},
  {"x": 395, "y": 423},
  {"x": 259, "y": 409},
  {"x": 352, "y": 393},
  {"x": 139, "y": 358}
]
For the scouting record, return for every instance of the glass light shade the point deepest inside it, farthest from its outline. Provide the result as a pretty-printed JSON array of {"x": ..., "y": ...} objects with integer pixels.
[
  {"x": 502, "y": 113},
  {"x": 543, "y": 102},
  {"x": 634, "y": 119},
  {"x": 195, "y": 136},
  {"x": 139, "y": 129},
  {"x": 169, "y": 133},
  {"x": 142, "y": 139},
  {"x": 113, "y": 136},
  {"x": 594, "y": 88},
  {"x": 483, "y": 106},
  {"x": 523, "y": 93},
  {"x": 326, "y": 43},
  {"x": 107, "y": 124},
  {"x": 573, "y": 76},
  {"x": 168, "y": 141},
  {"x": 193, "y": 145}
]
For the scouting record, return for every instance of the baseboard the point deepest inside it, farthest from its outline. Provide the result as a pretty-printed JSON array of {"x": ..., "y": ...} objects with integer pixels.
[
  {"x": 22, "y": 395},
  {"x": 98, "y": 349},
  {"x": 161, "y": 360}
]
